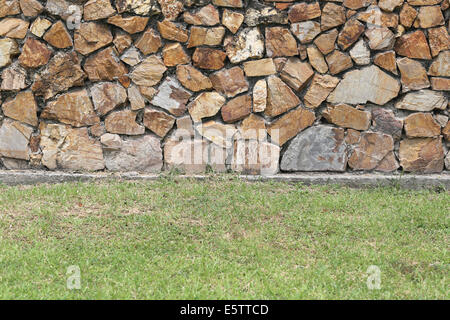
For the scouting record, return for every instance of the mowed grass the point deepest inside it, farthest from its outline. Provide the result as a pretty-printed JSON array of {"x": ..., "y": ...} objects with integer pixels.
[{"x": 222, "y": 238}]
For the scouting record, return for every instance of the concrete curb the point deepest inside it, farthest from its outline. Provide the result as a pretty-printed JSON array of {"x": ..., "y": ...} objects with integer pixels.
[{"x": 354, "y": 180}]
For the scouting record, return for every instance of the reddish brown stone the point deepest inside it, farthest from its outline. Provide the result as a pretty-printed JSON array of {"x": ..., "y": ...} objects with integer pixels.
[
  {"x": 413, "y": 74},
  {"x": 74, "y": 108},
  {"x": 206, "y": 58},
  {"x": 407, "y": 15},
  {"x": 149, "y": 42},
  {"x": 104, "y": 65},
  {"x": 173, "y": 54},
  {"x": 34, "y": 54},
  {"x": 253, "y": 127},
  {"x": 333, "y": 15},
  {"x": 193, "y": 79},
  {"x": 237, "y": 108},
  {"x": 424, "y": 155},
  {"x": 91, "y": 36},
  {"x": 319, "y": 90},
  {"x": 280, "y": 42},
  {"x": 280, "y": 97},
  {"x": 296, "y": 73},
  {"x": 229, "y": 81},
  {"x": 325, "y": 42},
  {"x": 304, "y": 11},
  {"x": 446, "y": 132},
  {"x": 413, "y": 45},
  {"x": 22, "y": 108},
  {"x": 287, "y": 126},
  {"x": 171, "y": 31},
  {"x": 122, "y": 41},
  {"x": 208, "y": 16},
  {"x": 338, "y": 62},
  {"x": 350, "y": 33},
  {"x": 123, "y": 122},
  {"x": 421, "y": 125},
  {"x": 31, "y": 8},
  {"x": 439, "y": 40},
  {"x": 440, "y": 84},
  {"x": 370, "y": 151},
  {"x": 386, "y": 60},
  {"x": 58, "y": 36},
  {"x": 132, "y": 24},
  {"x": 205, "y": 36},
  {"x": 346, "y": 116},
  {"x": 158, "y": 121}
]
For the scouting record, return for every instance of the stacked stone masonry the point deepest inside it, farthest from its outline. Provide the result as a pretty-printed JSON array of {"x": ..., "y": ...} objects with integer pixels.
[{"x": 251, "y": 86}]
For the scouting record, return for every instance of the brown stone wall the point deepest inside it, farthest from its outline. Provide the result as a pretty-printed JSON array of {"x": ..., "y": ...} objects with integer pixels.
[{"x": 251, "y": 86}]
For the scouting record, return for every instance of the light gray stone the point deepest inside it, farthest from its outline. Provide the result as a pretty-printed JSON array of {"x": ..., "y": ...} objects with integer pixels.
[
  {"x": 320, "y": 148},
  {"x": 141, "y": 154},
  {"x": 423, "y": 100}
]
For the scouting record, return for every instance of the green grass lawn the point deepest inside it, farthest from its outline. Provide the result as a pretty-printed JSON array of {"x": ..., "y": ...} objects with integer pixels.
[{"x": 222, "y": 238}]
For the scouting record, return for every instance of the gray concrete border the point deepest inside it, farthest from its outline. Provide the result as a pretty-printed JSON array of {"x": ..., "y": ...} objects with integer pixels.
[{"x": 354, "y": 180}]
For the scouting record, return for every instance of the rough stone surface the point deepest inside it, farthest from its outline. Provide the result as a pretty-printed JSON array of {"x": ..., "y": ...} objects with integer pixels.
[
  {"x": 90, "y": 37},
  {"x": 172, "y": 97},
  {"x": 413, "y": 45},
  {"x": 423, "y": 100},
  {"x": 319, "y": 148},
  {"x": 338, "y": 62},
  {"x": 207, "y": 104},
  {"x": 22, "y": 107},
  {"x": 68, "y": 148},
  {"x": 237, "y": 108},
  {"x": 421, "y": 125},
  {"x": 288, "y": 125},
  {"x": 141, "y": 154},
  {"x": 441, "y": 65},
  {"x": 296, "y": 73},
  {"x": 368, "y": 84},
  {"x": 34, "y": 54},
  {"x": 346, "y": 116},
  {"x": 74, "y": 108},
  {"x": 280, "y": 42},
  {"x": 58, "y": 36},
  {"x": 280, "y": 97},
  {"x": 14, "y": 138},
  {"x": 97, "y": 74},
  {"x": 249, "y": 43},
  {"x": 424, "y": 155},
  {"x": 229, "y": 81},
  {"x": 149, "y": 72},
  {"x": 372, "y": 148},
  {"x": 104, "y": 65},
  {"x": 192, "y": 79},
  {"x": 123, "y": 122},
  {"x": 385, "y": 121},
  {"x": 413, "y": 74},
  {"x": 207, "y": 58},
  {"x": 62, "y": 73},
  {"x": 158, "y": 121},
  {"x": 107, "y": 96},
  {"x": 319, "y": 90}
]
